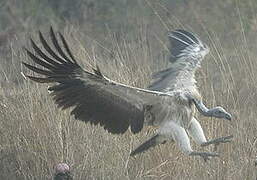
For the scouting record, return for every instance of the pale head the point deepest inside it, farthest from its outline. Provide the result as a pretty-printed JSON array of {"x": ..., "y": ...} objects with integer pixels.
[
  {"x": 62, "y": 168},
  {"x": 219, "y": 112},
  {"x": 62, "y": 172}
]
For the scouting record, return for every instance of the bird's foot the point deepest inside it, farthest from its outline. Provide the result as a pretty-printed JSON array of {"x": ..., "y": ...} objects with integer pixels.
[
  {"x": 218, "y": 141},
  {"x": 205, "y": 155}
]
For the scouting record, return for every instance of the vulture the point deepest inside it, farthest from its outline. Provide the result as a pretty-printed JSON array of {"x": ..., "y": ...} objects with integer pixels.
[{"x": 169, "y": 103}]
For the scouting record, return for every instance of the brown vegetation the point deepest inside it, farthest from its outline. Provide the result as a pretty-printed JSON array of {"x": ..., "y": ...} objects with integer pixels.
[{"x": 35, "y": 135}]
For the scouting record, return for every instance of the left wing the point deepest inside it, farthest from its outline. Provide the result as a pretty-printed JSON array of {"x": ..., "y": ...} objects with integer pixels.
[{"x": 95, "y": 98}]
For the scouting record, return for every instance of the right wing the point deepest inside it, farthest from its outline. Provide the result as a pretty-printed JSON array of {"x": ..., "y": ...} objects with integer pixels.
[
  {"x": 185, "y": 48},
  {"x": 95, "y": 98},
  {"x": 184, "y": 44}
]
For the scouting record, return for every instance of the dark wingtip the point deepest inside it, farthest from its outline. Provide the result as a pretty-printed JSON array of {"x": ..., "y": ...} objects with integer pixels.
[
  {"x": 39, "y": 79},
  {"x": 51, "y": 29},
  {"x": 67, "y": 47},
  {"x": 25, "y": 49},
  {"x": 31, "y": 41},
  {"x": 25, "y": 64},
  {"x": 40, "y": 33}
]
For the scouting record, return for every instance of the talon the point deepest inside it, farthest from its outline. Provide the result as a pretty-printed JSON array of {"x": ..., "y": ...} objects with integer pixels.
[{"x": 218, "y": 141}]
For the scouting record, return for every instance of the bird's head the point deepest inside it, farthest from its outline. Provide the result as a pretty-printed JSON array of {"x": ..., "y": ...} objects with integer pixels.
[
  {"x": 219, "y": 112},
  {"x": 62, "y": 172}
]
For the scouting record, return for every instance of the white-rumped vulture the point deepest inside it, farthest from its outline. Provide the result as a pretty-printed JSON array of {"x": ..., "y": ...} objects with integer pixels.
[{"x": 169, "y": 102}]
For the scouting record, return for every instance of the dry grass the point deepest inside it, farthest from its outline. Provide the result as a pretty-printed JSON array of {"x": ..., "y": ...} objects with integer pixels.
[{"x": 35, "y": 135}]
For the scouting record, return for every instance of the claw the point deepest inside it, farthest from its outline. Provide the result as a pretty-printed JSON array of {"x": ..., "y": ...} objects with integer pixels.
[{"x": 217, "y": 141}]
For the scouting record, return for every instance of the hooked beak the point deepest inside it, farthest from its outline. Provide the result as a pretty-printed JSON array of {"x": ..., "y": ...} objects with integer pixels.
[{"x": 228, "y": 117}]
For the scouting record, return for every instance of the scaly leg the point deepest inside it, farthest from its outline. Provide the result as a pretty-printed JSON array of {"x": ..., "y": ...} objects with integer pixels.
[
  {"x": 180, "y": 136},
  {"x": 218, "y": 141},
  {"x": 196, "y": 132}
]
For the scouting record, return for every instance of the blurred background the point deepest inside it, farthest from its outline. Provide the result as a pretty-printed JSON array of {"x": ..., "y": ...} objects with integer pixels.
[{"x": 128, "y": 39}]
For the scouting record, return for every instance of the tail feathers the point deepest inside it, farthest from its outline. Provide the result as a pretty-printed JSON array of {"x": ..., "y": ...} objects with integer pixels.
[{"x": 152, "y": 142}]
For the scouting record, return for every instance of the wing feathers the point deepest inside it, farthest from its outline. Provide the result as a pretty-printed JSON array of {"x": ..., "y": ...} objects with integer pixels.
[
  {"x": 95, "y": 98},
  {"x": 37, "y": 70},
  {"x": 67, "y": 47},
  {"x": 187, "y": 52},
  {"x": 49, "y": 50},
  {"x": 39, "y": 61},
  {"x": 189, "y": 37},
  {"x": 180, "y": 40},
  {"x": 57, "y": 46},
  {"x": 40, "y": 80},
  {"x": 41, "y": 54}
]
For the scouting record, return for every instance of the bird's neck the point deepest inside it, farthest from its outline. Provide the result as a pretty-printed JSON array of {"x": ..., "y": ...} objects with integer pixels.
[{"x": 187, "y": 64}]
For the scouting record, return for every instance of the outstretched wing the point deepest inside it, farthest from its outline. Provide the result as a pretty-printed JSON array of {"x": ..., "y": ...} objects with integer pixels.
[
  {"x": 95, "y": 98},
  {"x": 186, "y": 50}
]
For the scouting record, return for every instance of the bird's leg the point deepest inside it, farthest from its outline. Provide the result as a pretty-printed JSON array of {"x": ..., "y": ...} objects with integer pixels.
[
  {"x": 217, "y": 112},
  {"x": 196, "y": 132},
  {"x": 218, "y": 141},
  {"x": 181, "y": 138}
]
